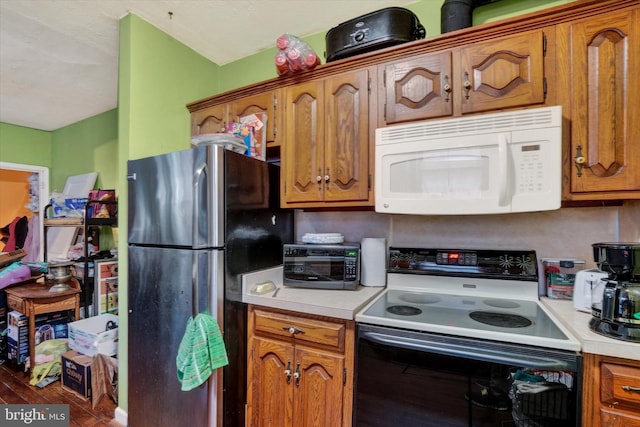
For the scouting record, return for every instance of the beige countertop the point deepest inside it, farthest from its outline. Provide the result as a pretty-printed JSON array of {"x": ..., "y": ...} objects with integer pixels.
[
  {"x": 344, "y": 304},
  {"x": 578, "y": 324},
  {"x": 341, "y": 304}
]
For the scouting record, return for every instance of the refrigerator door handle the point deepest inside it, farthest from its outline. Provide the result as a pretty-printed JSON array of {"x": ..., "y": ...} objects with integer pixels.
[
  {"x": 201, "y": 272},
  {"x": 194, "y": 287},
  {"x": 199, "y": 176}
]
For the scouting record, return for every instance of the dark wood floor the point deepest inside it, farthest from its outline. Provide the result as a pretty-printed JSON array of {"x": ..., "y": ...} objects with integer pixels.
[{"x": 15, "y": 389}]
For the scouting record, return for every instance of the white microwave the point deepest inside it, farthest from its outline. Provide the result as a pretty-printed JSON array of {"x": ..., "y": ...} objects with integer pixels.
[{"x": 483, "y": 164}]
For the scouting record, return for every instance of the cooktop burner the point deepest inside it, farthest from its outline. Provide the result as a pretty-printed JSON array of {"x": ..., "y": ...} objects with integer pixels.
[
  {"x": 404, "y": 310},
  {"x": 505, "y": 320}
]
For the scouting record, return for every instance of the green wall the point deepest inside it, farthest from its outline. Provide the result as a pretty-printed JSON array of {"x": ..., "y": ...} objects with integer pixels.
[
  {"x": 158, "y": 77},
  {"x": 25, "y": 145},
  {"x": 90, "y": 145},
  {"x": 260, "y": 66}
]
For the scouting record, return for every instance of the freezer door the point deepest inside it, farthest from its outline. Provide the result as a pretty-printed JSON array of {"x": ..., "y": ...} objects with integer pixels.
[
  {"x": 161, "y": 300},
  {"x": 175, "y": 199}
]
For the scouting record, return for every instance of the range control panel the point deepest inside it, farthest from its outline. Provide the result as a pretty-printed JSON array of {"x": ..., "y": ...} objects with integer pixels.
[{"x": 508, "y": 264}]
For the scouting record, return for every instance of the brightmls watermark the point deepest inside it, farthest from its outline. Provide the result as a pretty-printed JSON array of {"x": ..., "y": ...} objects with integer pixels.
[{"x": 34, "y": 415}]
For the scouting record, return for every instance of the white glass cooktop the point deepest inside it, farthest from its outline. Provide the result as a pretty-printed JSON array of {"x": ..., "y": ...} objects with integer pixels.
[{"x": 474, "y": 316}]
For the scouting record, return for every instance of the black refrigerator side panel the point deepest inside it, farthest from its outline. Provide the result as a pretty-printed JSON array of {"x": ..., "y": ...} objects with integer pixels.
[
  {"x": 160, "y": 304},
  {"x": 256, "y": 229}
]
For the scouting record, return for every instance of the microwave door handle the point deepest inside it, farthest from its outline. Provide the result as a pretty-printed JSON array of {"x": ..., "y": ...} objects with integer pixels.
[{"x": 503, "y": 169}]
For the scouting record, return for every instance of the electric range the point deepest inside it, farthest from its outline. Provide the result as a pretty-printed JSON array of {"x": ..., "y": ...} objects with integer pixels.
[
  {"x": 455, "y": 339},
  {"x": 483, "y": 294}
]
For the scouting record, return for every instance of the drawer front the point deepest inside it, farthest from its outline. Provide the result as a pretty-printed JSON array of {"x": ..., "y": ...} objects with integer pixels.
[
  {"x": 15, "y": 303},
  {"x": 301, "y": 329},
  {"x": 620, "y": 385}
]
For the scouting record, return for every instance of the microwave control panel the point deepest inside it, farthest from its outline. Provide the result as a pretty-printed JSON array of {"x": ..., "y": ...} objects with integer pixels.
[{"x": 530, "y": 168}]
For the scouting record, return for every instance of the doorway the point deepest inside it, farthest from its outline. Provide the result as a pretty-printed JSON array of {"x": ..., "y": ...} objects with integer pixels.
[{"x": 25, "y": 190}]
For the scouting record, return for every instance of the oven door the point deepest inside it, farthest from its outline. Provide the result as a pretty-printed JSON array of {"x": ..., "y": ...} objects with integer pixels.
[{"x": 413, "y": 378}]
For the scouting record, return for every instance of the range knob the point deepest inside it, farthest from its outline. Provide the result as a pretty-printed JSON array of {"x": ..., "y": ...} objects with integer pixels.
[{"x": 359, "y": 35}]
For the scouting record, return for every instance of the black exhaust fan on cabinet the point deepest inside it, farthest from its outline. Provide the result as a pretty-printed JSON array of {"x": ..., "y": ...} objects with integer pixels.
[{"x": 457, "y": 14}]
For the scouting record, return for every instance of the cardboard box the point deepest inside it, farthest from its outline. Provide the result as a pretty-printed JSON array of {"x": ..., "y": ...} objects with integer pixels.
[
  {"x": 105, "y": 293},
  {"x": 76, "y": 373},
  {"x": 92, "y": 335},
  {"x": 17, "y": 337},
  {"x": 48, "y": 326},
  {"x": 3, "y": 311}
]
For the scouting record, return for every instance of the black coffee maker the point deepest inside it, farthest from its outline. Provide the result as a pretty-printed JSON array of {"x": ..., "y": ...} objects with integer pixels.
[{"x": 616, "y": 306}]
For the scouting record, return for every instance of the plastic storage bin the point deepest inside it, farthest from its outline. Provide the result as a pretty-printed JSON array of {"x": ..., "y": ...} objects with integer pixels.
[{"x": 560, "y": 276}]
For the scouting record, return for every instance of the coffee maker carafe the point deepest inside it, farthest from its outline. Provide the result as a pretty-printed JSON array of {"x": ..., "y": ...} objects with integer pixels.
[{"x": 616, "y": 303}]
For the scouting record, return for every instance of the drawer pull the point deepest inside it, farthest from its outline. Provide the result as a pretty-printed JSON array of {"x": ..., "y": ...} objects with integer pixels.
[
  {"x": 293, "y": 330},
  {"x": 632, "y": 389}
]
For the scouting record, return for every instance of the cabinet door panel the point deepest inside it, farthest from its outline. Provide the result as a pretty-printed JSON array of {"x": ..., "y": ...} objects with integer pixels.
[
  {"x": 209, "y": 120},
  {"x": 346, "y": 171},
  {"x": 602, "y": 96},
  {"x": 319, "y": 393},
  {"x": 502, "y": 73},
  {"x": 304, "y": 143},
  {"x": 261, "y": 103},
  {"x": 270, "y": 394},
  {"x": 418, "y": 88},
  {"x": 612, "y": 418}
]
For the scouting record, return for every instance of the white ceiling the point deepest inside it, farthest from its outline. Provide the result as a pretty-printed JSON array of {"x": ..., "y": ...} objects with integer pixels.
[{"x": 58, "y": 58}]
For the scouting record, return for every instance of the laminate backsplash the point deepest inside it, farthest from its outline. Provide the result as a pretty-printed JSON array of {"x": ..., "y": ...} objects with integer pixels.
[{"x": 564, "y": 233}]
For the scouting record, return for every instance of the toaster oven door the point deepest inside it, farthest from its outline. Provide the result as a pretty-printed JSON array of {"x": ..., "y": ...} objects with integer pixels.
[{"x": 310, "y": 271}]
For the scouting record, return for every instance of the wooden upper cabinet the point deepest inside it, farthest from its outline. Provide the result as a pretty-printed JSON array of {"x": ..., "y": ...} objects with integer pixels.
[
  {"x": 417, "y": 88},
  {"x": 303, "y": 148},
  {"x": 209, "y": 120},
  {"x": 503, "y": 73},
  {"x": 506, "y": 72},
  {"x": 598, "y": 63},
  {"x": 347, "y": 146},
  {"x": 260, "y": 103},
  {"x": 326, "y": 149}
]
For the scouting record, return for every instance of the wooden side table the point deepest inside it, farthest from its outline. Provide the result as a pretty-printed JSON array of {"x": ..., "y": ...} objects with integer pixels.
[{"x": 34, "y": 298}]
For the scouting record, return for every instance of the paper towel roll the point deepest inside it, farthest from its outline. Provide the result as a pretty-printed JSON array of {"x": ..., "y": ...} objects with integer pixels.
[{"x": 373, "y": 262}]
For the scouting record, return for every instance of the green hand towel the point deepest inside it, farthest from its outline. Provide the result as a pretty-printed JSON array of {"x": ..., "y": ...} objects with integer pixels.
[{"x": 201, "y": 351}]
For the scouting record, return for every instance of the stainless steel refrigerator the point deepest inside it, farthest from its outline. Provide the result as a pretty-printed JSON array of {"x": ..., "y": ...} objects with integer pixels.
[{"x": 198, "y": 219}]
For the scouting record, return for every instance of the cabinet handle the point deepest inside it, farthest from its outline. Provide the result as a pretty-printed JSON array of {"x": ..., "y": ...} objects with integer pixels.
[
  {"x": 319, "y": 176},
  {"x": 446, "y": 88},
  {"x": 287, "y": 372},
  {"x": 293, "y": 330},
  {"x": 466, "y": 84},
  {"x": 326, "y": 177},
  {"x": 579, "y": 160},
  {"x": 297, "y": 375},
  {"x": 630, "y": 388}
]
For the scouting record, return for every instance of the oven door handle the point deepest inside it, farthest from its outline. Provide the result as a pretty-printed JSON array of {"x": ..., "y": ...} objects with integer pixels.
[{"x": 477, "y": 353}]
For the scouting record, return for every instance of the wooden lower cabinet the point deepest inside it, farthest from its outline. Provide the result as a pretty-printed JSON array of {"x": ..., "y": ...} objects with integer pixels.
[
  {"x": 300, "y": 370},
  {"x": 611, "y": 392}
]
